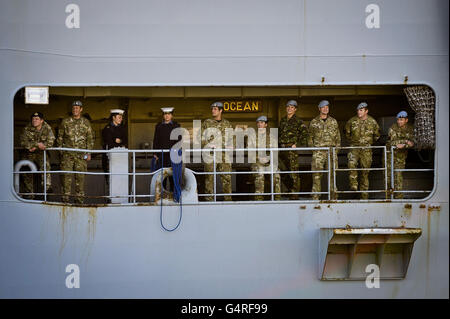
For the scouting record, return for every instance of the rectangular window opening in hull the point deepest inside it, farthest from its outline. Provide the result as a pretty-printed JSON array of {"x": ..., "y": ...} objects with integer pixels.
[{"x": 103, "y": 145}]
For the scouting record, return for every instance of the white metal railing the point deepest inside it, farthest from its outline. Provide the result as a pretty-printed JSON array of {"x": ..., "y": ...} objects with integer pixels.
[
  {"x": 393, "y": 170},
  {"x": 337, "y": 169},
  {"x": 273, "y": 170}
]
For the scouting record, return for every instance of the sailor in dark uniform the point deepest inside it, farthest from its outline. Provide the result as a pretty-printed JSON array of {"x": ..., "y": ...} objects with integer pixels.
[
  {"x": 161, "y": 139},
  {"x": 114, "y": 135}
]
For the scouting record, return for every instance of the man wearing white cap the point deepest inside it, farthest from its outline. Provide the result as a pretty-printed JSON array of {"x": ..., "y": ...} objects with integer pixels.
[
  {"x": 401, "y": 136},
  {"x": 161, "y": 139},
  {"x": 361, "y": 130},
  {"x": 323, "y": 132},
  {"x": 114, "y": 134}
]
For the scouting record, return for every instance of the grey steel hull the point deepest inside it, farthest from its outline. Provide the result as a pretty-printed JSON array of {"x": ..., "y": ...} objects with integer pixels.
[{"x": 219, "y": 251}]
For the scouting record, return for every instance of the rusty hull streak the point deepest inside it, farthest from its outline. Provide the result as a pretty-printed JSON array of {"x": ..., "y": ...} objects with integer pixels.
[
  {"x": 64, "y": 214},
  {"x": 92, "y": 226},
  {"x": 95, "y": 205},
  {"x": 92, "y": 222},
  {"x": 63, "y": 219},
  {"x": 434, "y": 207}
]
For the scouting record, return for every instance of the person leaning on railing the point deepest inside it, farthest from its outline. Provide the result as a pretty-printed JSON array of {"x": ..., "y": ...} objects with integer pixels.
[
  {"x": 361, "y": 130},
  {"x": 323, "y": 132},
  {"x": 36, "y": 137},
  {"x": 292, "y": 133},
  {"x": 75, "y": 132},
  {"x": 401, "y": 136}
]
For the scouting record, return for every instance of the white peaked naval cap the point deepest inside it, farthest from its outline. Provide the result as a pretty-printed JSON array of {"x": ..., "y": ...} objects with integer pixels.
[
  {"x": 117, "y": 111},
  {"x": 167, "y": 109}
]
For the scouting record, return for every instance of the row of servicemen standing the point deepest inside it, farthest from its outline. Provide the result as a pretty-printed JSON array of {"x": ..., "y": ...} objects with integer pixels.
[{"x": 361, "y": 130}]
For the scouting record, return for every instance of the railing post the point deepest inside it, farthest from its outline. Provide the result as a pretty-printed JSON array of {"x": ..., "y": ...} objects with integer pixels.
[
  {"x": 329, "y": 172},
  {"x": 271, "y": 174},
  {"x": 134, "y": 177},
  {"x": 392, "y": 172},
  {"x": 214, "y": 173},
  {"x": 45, "y": 175},
  {"x": 385, "y": 170}
]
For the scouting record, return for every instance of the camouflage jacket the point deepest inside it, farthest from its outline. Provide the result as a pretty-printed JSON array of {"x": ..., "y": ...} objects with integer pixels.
[
  {"x": 265, "y": 140},
  {"x": 324, "y": 133},
  {"x": 293, "y": 131},
  {"x": 221, "y": 126},
  {"x": 76, "y": 133},
  {"x": 362, "y": 133},
  {"x": 399, "y": 135},
  {"x": 31, "y": 137}
]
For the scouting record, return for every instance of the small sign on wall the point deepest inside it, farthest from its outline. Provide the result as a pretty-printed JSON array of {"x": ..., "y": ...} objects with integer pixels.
[
  {"x": 239, "y": 106},
  {"x": 36, "y": 95}
]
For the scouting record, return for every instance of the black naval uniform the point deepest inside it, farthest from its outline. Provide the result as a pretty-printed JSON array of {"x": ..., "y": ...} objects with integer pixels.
[
  {"x": 162, "y": 140},
  {"x": 109, "y": 134}
]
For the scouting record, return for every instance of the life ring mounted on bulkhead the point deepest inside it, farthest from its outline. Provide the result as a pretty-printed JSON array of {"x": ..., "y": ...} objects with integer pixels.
[{"x": 189, "y": 187}]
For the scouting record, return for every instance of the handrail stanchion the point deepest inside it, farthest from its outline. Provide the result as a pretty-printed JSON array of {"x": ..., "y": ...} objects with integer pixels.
[
  {"x": 45, "y": 176},
  {"x": 392, "y": 172},
  {"x": 329, "y": 172},
  {"x": 214, "y": 173},
  {"x": 271, "y": 174},
  {"x": 134, "y": 177},
  {"x": 385, "y": 170}
]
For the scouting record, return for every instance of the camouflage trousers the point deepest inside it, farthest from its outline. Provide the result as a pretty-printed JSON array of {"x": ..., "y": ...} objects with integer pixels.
[
  {"x": 289, "y": 159},
  {"x": 320, "y": 162},
  {"x": 259, "y": 180},
  {"x": 399, "y": 163},
  {"x": 73, "y": 162},
  {"x": 224, "y": 178},
  {"x": 364, "y": 158},
  {"x": 37, "y": 158}
]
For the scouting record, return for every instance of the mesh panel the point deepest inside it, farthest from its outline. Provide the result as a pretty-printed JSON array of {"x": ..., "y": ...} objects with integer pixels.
[{"x": 422, "y": 101}]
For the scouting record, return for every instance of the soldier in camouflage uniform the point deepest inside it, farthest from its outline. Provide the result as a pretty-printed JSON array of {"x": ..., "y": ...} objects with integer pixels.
[
  {"x": 401, "y": 136},
  {"x": 222, "y": 165},
  {"x": 75, "y": 132},
  {"x": 263, "y": 139},
  {"x": 361, "y": 130},
  {"x": 323, "y": 132},
  {"x": 36, "y": 137},
  {"x": 292, "y": 133}
]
